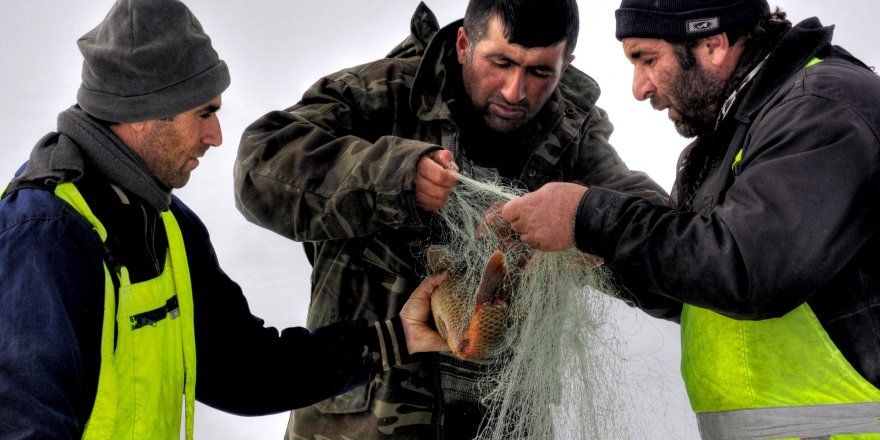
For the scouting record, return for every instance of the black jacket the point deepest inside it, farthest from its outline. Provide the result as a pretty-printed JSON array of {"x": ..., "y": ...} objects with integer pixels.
[{"x": 794, "y": 220}]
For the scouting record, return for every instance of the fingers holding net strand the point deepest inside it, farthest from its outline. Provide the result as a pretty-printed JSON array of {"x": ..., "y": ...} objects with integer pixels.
[
  {"x": 435, "y": 177},
  {"x": 558, "y": 372}
]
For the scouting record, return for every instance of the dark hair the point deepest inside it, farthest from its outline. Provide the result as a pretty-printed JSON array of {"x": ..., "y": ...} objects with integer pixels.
[
  {"x": 760, "y": 39},
  {"x": 528, "y": 23}
]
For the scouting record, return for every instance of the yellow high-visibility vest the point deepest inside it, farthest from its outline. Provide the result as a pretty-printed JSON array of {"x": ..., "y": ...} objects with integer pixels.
[
  {"x": 773, "y": 379},
  {"x": 146, "y": 377}
]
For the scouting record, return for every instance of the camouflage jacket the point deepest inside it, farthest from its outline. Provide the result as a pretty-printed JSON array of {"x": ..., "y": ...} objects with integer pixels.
[{"x": 336, "y": 170}]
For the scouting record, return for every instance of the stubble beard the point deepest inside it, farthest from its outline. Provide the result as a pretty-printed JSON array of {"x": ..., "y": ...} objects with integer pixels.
[{"x": 160, "y": 149}]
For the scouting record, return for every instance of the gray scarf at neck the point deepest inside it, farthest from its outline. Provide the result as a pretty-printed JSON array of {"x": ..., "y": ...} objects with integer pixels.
[{"x": 58, "y": 157}]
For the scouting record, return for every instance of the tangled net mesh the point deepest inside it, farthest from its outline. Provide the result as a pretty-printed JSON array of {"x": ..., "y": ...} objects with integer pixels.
[{"x": 558, "y": 374}]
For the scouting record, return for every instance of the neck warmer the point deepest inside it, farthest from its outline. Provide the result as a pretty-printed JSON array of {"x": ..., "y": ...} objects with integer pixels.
[{"x": 59, "y": 157}]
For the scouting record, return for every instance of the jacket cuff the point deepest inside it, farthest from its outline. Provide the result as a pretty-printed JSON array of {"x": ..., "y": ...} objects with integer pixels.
[
  {"x": 389, "y": 341},
  {"x": 581, "y": 224},
  {"x": 589, "y": 221}
]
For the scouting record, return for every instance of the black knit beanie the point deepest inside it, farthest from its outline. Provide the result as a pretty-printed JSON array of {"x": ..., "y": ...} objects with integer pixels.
[
  {"x": 148, "y": 59},
  {"x": 682, "y": 20}
]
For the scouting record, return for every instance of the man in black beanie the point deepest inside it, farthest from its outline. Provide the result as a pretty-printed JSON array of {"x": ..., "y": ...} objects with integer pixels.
[
  {"x": 114, "y": 313},
  {"x": 770, "y": 255}
]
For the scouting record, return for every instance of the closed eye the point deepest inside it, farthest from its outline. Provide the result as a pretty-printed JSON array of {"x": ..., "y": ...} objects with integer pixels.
[
  {"x": 501, "y": 64},
  {"x": 541, "y": 72}
]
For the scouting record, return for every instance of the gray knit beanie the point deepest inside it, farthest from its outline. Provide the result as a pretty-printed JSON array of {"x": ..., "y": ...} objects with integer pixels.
[
  {"x": 682, "y": 20},
  {"x": 148, "y": 59}
]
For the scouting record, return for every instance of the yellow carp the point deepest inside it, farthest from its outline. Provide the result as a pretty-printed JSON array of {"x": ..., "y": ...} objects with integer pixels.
[{"x": 474, "y": 326}]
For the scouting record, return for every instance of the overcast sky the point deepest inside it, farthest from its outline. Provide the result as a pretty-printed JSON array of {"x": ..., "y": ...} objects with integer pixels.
[{"x": 275, "y": 50}]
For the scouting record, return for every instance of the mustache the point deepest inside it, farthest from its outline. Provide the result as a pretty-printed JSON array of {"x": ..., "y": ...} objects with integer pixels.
[
  {"x": 657, "y": 103},
  {"x": 498, "y": 99}
]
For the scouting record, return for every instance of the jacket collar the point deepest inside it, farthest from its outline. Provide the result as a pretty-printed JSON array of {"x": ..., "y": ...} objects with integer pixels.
[
  {"x": 794, "y": 51},
  {"x": 438, "y": 72}
]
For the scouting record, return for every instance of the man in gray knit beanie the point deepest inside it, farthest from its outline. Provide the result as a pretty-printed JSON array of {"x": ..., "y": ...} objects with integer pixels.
[
  {"x": 113, "y": 305},
  {"x": 768, "y": 256},
  {"x": 148, "y": 59}
]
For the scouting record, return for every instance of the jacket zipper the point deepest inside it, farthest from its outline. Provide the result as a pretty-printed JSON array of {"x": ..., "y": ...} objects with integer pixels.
[
  {"x": 150, "y": 235},
  {"x": 528, "y": 161},
  {"x": 439, "y": 399}
]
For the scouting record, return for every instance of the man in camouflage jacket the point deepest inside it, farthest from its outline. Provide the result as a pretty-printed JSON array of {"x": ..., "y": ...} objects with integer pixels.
[{"x": 338, "y": 172}]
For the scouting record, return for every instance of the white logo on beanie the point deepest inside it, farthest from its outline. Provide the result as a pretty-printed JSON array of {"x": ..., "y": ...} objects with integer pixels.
[{"x": 702, "y": 25}]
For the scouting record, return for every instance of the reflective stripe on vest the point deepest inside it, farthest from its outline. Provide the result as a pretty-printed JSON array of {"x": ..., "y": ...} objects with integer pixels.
[
  {"x": 146, "y": 376},
  {"x": 775, "y": 378}
]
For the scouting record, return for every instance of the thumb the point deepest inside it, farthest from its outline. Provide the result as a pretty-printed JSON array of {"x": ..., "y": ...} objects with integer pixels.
[{"x": 445, "y": 158}]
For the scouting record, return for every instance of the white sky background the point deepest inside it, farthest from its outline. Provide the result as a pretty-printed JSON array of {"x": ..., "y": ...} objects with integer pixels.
[{"x": 275, "y": 50}]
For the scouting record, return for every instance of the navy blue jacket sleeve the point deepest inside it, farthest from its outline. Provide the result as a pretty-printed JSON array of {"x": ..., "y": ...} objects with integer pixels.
[
  {"x": 49, "y": 331},
  {"x": 246, "y": 368}
]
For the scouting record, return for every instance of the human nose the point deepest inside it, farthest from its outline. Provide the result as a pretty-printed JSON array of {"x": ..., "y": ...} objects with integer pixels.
[
  {"x": 514, "y": 89},
  {"x": 212, "y": 134},
  {"x": 642, "y": 87}
]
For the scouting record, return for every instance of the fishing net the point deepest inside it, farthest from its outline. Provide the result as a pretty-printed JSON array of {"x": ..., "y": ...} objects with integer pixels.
[{"x": 557, "y": 375}]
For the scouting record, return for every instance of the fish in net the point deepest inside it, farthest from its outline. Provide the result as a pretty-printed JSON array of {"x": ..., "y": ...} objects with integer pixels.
[{"x": 540, "y": 322}]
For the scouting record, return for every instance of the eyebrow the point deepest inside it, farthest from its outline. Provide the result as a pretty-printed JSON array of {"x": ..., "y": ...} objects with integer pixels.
[{"x": 640, "y": 52}]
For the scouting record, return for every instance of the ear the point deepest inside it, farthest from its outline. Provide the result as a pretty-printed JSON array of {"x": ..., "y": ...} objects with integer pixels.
[
  {"x": 461, "y": 45},
  {"x": 130, "y": 133},
  {"x": 716, "y": 50},
  {"x": 567, "y": 62}
]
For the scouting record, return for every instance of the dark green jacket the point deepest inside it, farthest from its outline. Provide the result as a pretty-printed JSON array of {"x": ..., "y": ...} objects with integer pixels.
[{"x": 336, "y": 170}]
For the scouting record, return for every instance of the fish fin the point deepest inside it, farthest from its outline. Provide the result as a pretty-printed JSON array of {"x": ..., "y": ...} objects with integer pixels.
[
  {"x": 493, "y": 278},
  {"x": 523, "y": 260}
]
